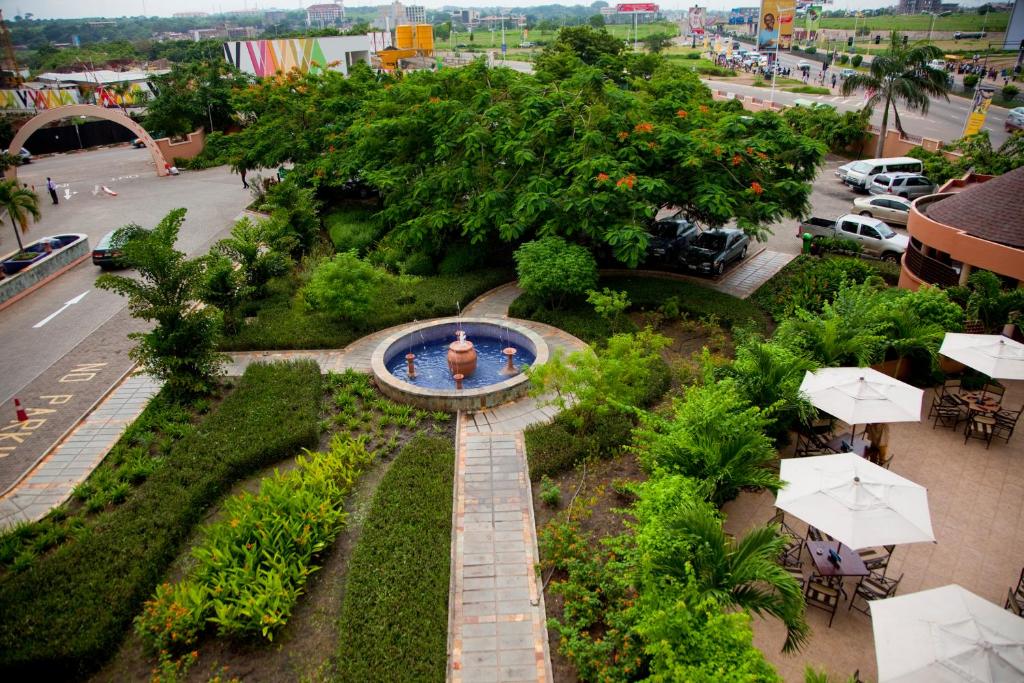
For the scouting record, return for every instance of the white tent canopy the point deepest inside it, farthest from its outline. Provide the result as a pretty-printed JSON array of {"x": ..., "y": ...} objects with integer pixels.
[
  {"x": 862, "y": 396},
  {"x": 992, "y": 354},
  {"x": 946, "y": 635},
  {"x": 855, "y": 501}
]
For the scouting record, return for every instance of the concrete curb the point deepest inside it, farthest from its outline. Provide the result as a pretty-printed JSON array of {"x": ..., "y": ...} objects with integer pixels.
[{"x": 49, "y": 278}]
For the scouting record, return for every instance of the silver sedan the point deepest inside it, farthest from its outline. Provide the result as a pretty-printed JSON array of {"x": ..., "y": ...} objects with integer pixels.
[{"x": 889, "y": 208}]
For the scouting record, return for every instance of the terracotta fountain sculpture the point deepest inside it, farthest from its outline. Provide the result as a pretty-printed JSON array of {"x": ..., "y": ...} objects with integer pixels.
[{"x": 461, "y": 357}]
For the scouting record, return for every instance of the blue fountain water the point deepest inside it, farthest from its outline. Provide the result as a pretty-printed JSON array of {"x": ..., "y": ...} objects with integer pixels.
[{"x": 432, "y": 363}]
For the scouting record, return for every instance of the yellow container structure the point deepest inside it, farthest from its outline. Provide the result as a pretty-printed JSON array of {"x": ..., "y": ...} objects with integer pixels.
[
  {"x": 425, "y": 38},
  {"x": 403, "y": 37}
]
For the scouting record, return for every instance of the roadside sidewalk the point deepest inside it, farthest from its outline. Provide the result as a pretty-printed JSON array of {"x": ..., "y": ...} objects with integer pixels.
[{"x": 51, "y": 481}]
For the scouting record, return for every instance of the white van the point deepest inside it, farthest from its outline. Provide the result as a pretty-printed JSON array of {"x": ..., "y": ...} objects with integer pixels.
[{"x": 860, "y": 174}]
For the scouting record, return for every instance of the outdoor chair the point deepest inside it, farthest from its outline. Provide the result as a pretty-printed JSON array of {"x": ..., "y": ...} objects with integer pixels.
[
  {"x": 1015, "y": 597},
  {"x": 980, "y": 427},
  {"x": 1006, "y": 420},
  {"x": 887, "y": 462},
  {"x": 823, "y": 597},
  {"x": 947, "y": 415},
  {"x": 994, "y": 390},
  {"x": 813, "y": 438},
  {"x": 949, "y": 393},
  {"x": 815, "y": 534},
  {"x": 791, "y": 554},
  {"x": 797, "y": 572},
  {"x": 877, "y": 558},
  {"x": 873, "y": 587}
]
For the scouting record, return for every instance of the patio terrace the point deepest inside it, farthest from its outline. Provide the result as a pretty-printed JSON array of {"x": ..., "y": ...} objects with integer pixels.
[{"x": 976, "y": 498}]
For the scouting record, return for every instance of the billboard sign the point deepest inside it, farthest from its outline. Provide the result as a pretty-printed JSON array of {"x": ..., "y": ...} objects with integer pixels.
[
  {"x": 267, "y": 57},
  {"x": 813, "y": 19},
  {"x": 696, "y": 19},
  {"x": 27, "y": 99},
  {"x": 637, "y": 7},
  {"x": 775, "y": 25},
  {"x": 979, "y": 110}
]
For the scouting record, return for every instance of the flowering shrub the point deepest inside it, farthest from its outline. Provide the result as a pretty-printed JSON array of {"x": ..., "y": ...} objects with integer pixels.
[{"x": 251, "y": 566}]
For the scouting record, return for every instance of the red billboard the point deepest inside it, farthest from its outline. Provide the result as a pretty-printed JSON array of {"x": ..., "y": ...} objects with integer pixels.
[{"x": 637, "y": 7}]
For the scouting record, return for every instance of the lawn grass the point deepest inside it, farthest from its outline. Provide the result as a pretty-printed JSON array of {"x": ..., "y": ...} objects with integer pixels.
[
  {"x": 702, "y": 66},
  {"x": 282, "y": 322},
  {"x": 809, "y": 90},
  {"x": 68, "y": 612},
  {"x": 969, "y": 23},
  {"x": 394, "y": 620},
  {"x": 645, "y": 293}
]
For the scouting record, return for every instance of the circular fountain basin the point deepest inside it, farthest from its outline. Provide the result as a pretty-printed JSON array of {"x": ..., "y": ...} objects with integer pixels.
[{"x": 433, "y": 387}]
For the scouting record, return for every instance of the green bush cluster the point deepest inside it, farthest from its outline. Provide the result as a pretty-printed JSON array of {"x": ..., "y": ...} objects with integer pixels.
[
  {"x": 554, "y": 270},
  {"x": 345, "y": 287},
  {"x": 282, "y": 322},
  {"x": 808, "y": 283},
  {"x": 67, "y": 613},
  {"x": 856, "y": 60},
  {"x": 394, "y": 618},
  {"x": 352, "y": 229},
  {"x": 251, "y": 566}
]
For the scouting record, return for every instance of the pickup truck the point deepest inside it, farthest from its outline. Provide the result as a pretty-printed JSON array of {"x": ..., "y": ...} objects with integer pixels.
[{"x": 877, "y": 238}]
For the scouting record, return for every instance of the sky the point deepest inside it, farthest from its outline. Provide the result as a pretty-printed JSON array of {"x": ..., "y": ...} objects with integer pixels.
[{"x": 51, "y": 9}]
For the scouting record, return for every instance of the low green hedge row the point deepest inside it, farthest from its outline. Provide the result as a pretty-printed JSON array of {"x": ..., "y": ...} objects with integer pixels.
[
  {"x": 251, "y": 566},
  {"x": 283, "y": 323},
  {"x": 394, "y": 620},
  {"x": 65, "y": 615}
]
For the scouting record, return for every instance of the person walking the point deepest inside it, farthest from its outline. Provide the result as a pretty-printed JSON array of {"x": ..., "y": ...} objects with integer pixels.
[
  {"x": 52, "y": 187},
  {"x": 833, "y": 81},
  {"x": 245, "y": 185}
]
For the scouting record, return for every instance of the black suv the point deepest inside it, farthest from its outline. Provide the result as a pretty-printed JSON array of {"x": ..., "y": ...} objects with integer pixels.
[
  {"x": 669, "y": 238},
  {"x": 713, "y": 250}
]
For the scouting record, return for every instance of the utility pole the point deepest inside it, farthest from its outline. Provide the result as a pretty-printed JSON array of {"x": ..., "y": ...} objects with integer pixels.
[{"x": 778, "y": 44}]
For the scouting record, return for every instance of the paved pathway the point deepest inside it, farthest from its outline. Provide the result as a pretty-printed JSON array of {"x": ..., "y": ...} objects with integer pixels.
[{"x": 51, "y": 481}]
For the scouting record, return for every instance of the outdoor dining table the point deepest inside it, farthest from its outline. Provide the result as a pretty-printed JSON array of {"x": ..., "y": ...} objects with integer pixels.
[
  {"x": 978, "y": 402},
  {"x": 850, "y": 562}
]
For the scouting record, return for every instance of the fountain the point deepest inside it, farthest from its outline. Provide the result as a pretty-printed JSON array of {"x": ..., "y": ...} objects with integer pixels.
[{"x": 488, "y": 355}]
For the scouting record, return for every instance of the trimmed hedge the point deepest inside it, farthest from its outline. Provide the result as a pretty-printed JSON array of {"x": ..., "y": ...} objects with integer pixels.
[
  {"x": 394, "y": 620},
  {"x": 284, "y": 323},
  {"x": 68, "y": 613}
]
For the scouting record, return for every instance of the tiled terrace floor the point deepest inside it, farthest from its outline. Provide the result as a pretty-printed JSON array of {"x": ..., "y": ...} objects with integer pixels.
[{"x": 976, "y": 497}]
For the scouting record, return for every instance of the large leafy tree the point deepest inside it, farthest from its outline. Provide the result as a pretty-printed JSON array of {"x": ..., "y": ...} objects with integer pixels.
[
  {"x": 20, "y": 203},
  {"x": 194, "y": 95},
  {"x": 482, "y": 154},
  {"x": 181, "y": 349},
  {"x": 900, "y": 75}
]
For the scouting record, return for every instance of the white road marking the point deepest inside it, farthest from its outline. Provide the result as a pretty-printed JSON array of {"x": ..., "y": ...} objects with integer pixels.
[{"x": 60, "y": 310}]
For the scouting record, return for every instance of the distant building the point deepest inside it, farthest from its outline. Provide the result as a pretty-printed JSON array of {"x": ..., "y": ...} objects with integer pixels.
[
  {"x": 275, "y": 16},
  {"x": 325, "y": 15},
  {"x": 918, "y": 6},
  {"x": 509, "y": 20},
  {"x": 469, "y": 17},
  {"x": 208, "y": 33},
  {"x": 189, "y": 15},
  {"x": 242, "y": 32}
]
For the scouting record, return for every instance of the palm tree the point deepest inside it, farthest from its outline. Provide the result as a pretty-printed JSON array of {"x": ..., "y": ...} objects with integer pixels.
[
  {"x": 20, "y": 203},
  {"x": 743, "y": 572},
  {"x": 832, "y": 341},
  {"x": 769, "y": 375},
  {"x": 901, "y": 73},
  {"x": 907, "y": 334}
]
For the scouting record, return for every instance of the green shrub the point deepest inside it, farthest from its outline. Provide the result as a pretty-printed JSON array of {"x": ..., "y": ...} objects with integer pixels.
[
  {"x": 808, "y": 282},
  {"x": 843, "y": 59},
  {"x": 971, "y": 80},
  {"x": 460, "y": 258},
  {"x": 550, "y": 268},
  {"x": 1010, "y": 91},
  {"x": 417, "y": 263},
  {"x": 296, "y": 209},
  {"x": 856, "y": 60},
  {"x": 250, "y": 567},
  {"x": 352, "y": 229},
  {"x": 550, "y": 494},
  {"x": 829, "y": 245},
  {"x": 394, "y": 619},
  {"x": 562, "y": 444},
  {"x": 810, "y": 90},
  {"x": 282, "y": 322},
  {"x": 810, "y": 49},
  {"x": 691, "y": 55},
  {"x": 67, "y": 613},
  {"x": 345, "y": 287}
]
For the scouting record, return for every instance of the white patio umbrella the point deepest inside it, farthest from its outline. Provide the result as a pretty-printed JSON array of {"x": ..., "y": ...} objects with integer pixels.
[
  {"x": 854, "y": 500},
  {"x": 944, "y": 635},
  {"x": 993, "y": 354},
  {"x": 862, "y": 396}
]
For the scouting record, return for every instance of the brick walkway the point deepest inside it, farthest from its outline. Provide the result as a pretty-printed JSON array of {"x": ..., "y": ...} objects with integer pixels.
[{"x": 51, "y": 481}]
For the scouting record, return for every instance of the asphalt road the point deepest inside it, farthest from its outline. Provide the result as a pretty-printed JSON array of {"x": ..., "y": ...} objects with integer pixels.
[
  {"x": 945, "y": 120},
  {"x": 213, "y": 199}
]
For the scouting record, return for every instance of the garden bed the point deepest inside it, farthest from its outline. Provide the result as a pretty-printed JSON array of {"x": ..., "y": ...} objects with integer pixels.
[
  {"x": 302, "y": 649},
  {"x": 66, "y": 613}
]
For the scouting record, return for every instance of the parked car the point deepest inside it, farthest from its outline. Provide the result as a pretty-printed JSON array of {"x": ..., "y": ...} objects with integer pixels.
[
  {"x": 906, "y": 185},
  {"x": 861, "y": 173},
  {"x": 713, "y": 250},
  {"x": 846, "y": 73},
  {"x": 669, "y": 239},
  {"x": 803, "y": 64},
  {"x": 843, "y": 170},
  {"x": 25, "y": 155},
  {"x": 108, "y": 252},
  {"x": 137, "y": 143},
  {"x": 876, "y": 238},
  {"x": 1014, "y": 120},
  {"x": 889, "y": 209}
]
